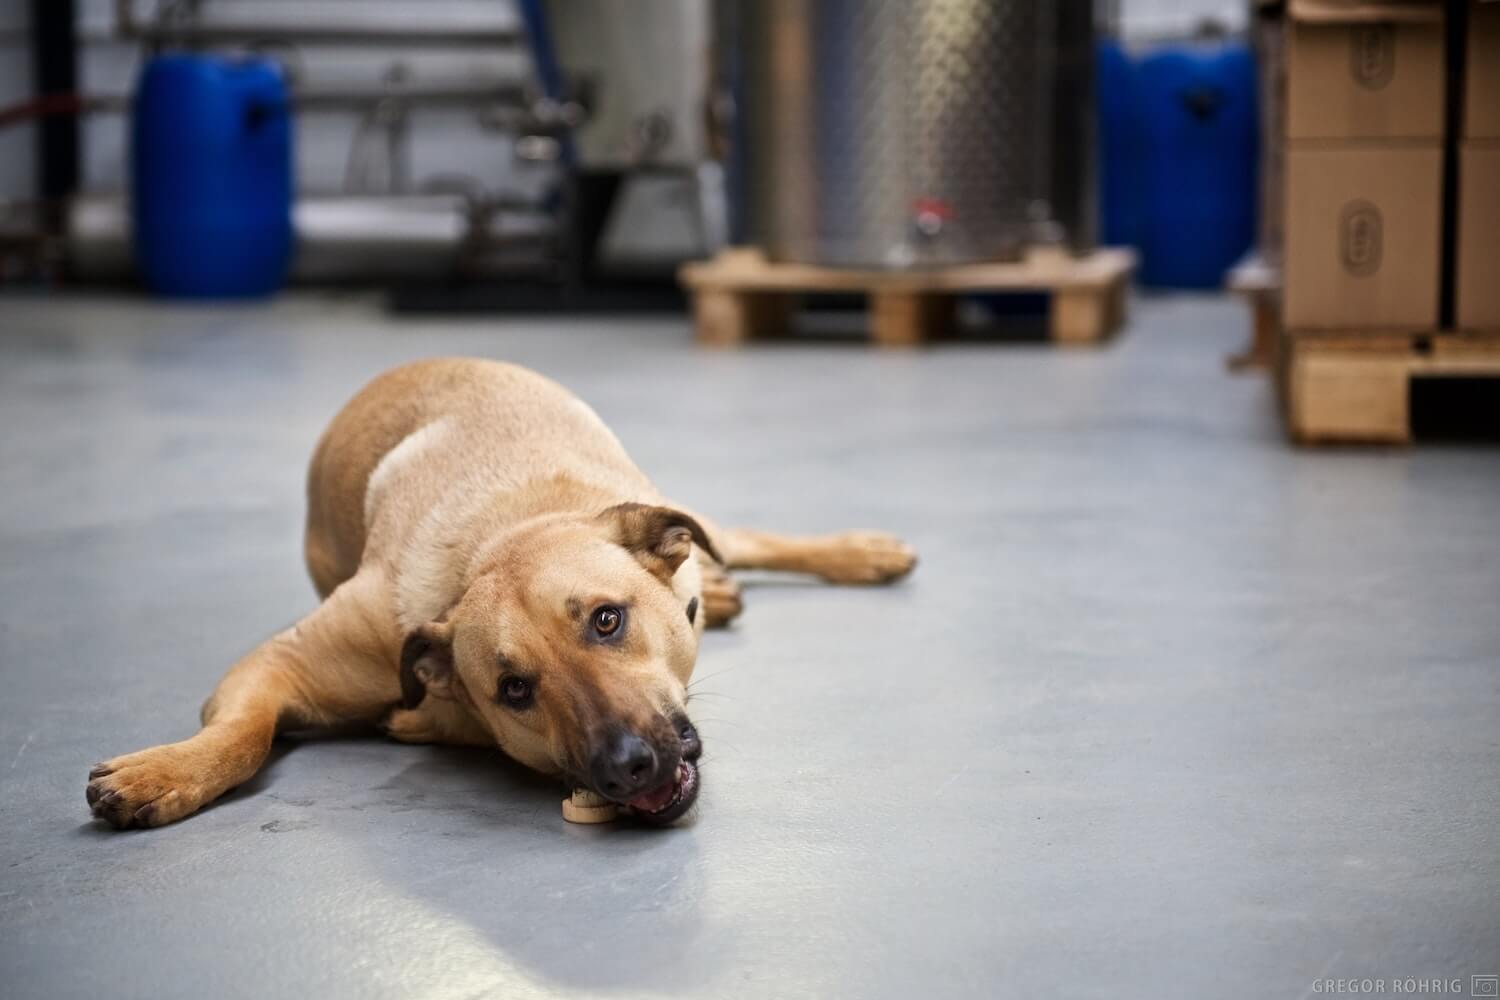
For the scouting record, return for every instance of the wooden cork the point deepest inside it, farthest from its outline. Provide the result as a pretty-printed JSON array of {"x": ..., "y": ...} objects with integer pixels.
[{"x": 584, "y": 806}]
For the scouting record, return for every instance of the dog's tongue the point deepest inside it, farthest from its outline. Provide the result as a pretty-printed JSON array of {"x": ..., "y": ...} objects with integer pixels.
[{"x": 655, "y": 800}]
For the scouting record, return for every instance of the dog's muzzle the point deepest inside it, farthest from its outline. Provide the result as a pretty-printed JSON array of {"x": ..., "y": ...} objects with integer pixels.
[{"x": 654, "y": 785}]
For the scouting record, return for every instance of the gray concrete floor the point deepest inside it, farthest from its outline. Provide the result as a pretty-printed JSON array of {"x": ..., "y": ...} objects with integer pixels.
[{"x": 1168, "y": 709}]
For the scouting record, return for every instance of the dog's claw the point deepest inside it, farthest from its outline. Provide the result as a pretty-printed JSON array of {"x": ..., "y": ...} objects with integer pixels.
[{"x": 148, "y": 788}]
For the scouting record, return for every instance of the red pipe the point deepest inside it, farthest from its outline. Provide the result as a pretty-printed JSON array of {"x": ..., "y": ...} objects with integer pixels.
[{"x": 47, "y": 104}]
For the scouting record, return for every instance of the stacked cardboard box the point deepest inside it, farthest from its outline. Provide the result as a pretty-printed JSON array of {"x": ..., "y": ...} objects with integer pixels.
[
  {"x": 1390, "y": 264},
  {"x": 1364, "y": 165},
  {"x": 1477, "y": 258}
]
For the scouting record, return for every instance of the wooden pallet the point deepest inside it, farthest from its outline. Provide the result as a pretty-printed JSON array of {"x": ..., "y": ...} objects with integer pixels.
[
  {"x": 1346, "y": 388},
  {"x": 1259, "y": 284},
  {"x": 739, "y": 295}
]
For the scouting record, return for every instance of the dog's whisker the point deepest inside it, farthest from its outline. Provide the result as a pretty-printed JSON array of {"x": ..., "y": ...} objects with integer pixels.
[
  {"x": 708, "y": 677},
  {"x": 714, "y": 724}
]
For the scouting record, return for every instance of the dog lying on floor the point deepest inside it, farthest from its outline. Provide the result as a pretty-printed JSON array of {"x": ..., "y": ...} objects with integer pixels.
[{"x": 494, "y": 570}]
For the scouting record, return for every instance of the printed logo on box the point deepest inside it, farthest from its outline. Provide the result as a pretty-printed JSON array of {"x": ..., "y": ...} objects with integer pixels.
[
  {"x": 1372, "y": 55},
  {"x": 1484, "y": 986},
  {"x": 1360, "y": 238}
]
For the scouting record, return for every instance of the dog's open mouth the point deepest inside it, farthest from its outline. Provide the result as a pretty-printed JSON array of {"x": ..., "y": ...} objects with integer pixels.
[{"x": 670, "y": 801}]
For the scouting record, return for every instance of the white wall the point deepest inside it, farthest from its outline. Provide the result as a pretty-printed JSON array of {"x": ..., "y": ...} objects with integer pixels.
[
  {"x": 17, "y": 143},
  {"x": 1151, "y": 20}
]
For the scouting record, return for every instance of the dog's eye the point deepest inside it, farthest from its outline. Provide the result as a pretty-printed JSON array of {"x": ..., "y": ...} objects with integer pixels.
[
  {"x": 607, "y": 620},
  {"x": 515, "y": 691}
]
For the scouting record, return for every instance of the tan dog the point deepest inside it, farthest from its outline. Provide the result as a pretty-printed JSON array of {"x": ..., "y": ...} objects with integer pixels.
[{"x": 494, "y": 570}]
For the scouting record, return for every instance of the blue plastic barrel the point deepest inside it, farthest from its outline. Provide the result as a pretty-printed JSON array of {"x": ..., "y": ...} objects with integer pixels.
[
  {"x": 212, "y": 176},
  {"x": 1199, "y": 119},
  {"x": 1121, "y": 147}
]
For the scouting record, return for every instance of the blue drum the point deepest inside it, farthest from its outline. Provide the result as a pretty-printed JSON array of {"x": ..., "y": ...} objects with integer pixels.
[
  {"x": 1199, "y": 149},
  {"x": 212, "y": 176}
]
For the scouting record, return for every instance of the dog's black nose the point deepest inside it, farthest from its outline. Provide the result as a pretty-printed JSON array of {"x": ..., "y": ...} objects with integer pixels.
[{"x": 625, "y": 766}]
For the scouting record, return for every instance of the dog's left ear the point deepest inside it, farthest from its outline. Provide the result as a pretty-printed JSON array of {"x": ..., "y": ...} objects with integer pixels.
[
  {"x": 427, "y": 664},
  {"x": 660, "y": 537}
]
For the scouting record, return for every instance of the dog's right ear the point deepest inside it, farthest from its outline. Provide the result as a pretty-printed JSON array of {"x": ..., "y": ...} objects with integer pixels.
[{"x": 427, "y": 664}]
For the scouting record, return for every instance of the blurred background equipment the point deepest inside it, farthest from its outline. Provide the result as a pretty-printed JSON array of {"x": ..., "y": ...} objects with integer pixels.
[
  {"x": 918, "y": 156},
  {"x": 890, "y": 134},
  {"x": 503, "y": 154},
  {"x": 1178, "y": 134},
  {"x": 212, "y": 176},
  {"x": 1197, "y": 106},
  {"x": 426, "y": 144}
]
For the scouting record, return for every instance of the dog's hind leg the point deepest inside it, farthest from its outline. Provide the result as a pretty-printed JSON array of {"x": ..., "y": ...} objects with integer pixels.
[
  {"x": 436, "y": 721},
  {"x": 322, "y": 565},
  {"x": 332, "y": 666},
  {"x": 721, "y": 594},
  {"x": 851, "y": 557}
]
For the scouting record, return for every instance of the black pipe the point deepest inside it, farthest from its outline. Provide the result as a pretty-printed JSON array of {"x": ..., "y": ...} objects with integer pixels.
[
  {"x": 1456, "y": 23},
  {"x": 54, "y": 59}
]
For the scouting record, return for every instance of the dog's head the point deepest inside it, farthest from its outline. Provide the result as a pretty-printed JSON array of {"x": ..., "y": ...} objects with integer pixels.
[{"x": 575, "y": 650}]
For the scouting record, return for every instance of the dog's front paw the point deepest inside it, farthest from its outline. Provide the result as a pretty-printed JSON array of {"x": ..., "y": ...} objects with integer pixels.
[
  {"x": 149, "y": 788},
  {"x": 870, "y": 557}
]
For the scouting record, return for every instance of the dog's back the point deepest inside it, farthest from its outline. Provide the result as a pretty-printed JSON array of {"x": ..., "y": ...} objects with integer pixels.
[{"x": 396, "y": 451}]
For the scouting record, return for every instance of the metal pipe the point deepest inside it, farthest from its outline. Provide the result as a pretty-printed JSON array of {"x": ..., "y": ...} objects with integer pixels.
[
  {"x": 504, "y": 106},
  {"x": 340, "y": 238},
  {"x": 311, "y": 33},
  {"x": 446, "y": 93}
]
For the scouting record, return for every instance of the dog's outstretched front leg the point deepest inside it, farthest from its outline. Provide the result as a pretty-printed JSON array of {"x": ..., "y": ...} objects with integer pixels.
[
  {"x": 851, "y": 557},
  {"x": 327, "y": 668}
]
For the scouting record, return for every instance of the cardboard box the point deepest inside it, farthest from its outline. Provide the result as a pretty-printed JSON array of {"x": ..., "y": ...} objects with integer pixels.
[
  {"x": 1364, "y": 71},
  {"x": 1477, "y": 284},
  {"x": 1363, "y": 234},
  {"x": 1482, "y": 72}
]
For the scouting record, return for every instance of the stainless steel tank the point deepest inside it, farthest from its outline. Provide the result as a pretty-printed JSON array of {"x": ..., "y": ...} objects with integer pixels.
[{"x": 896, "y": 134}]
